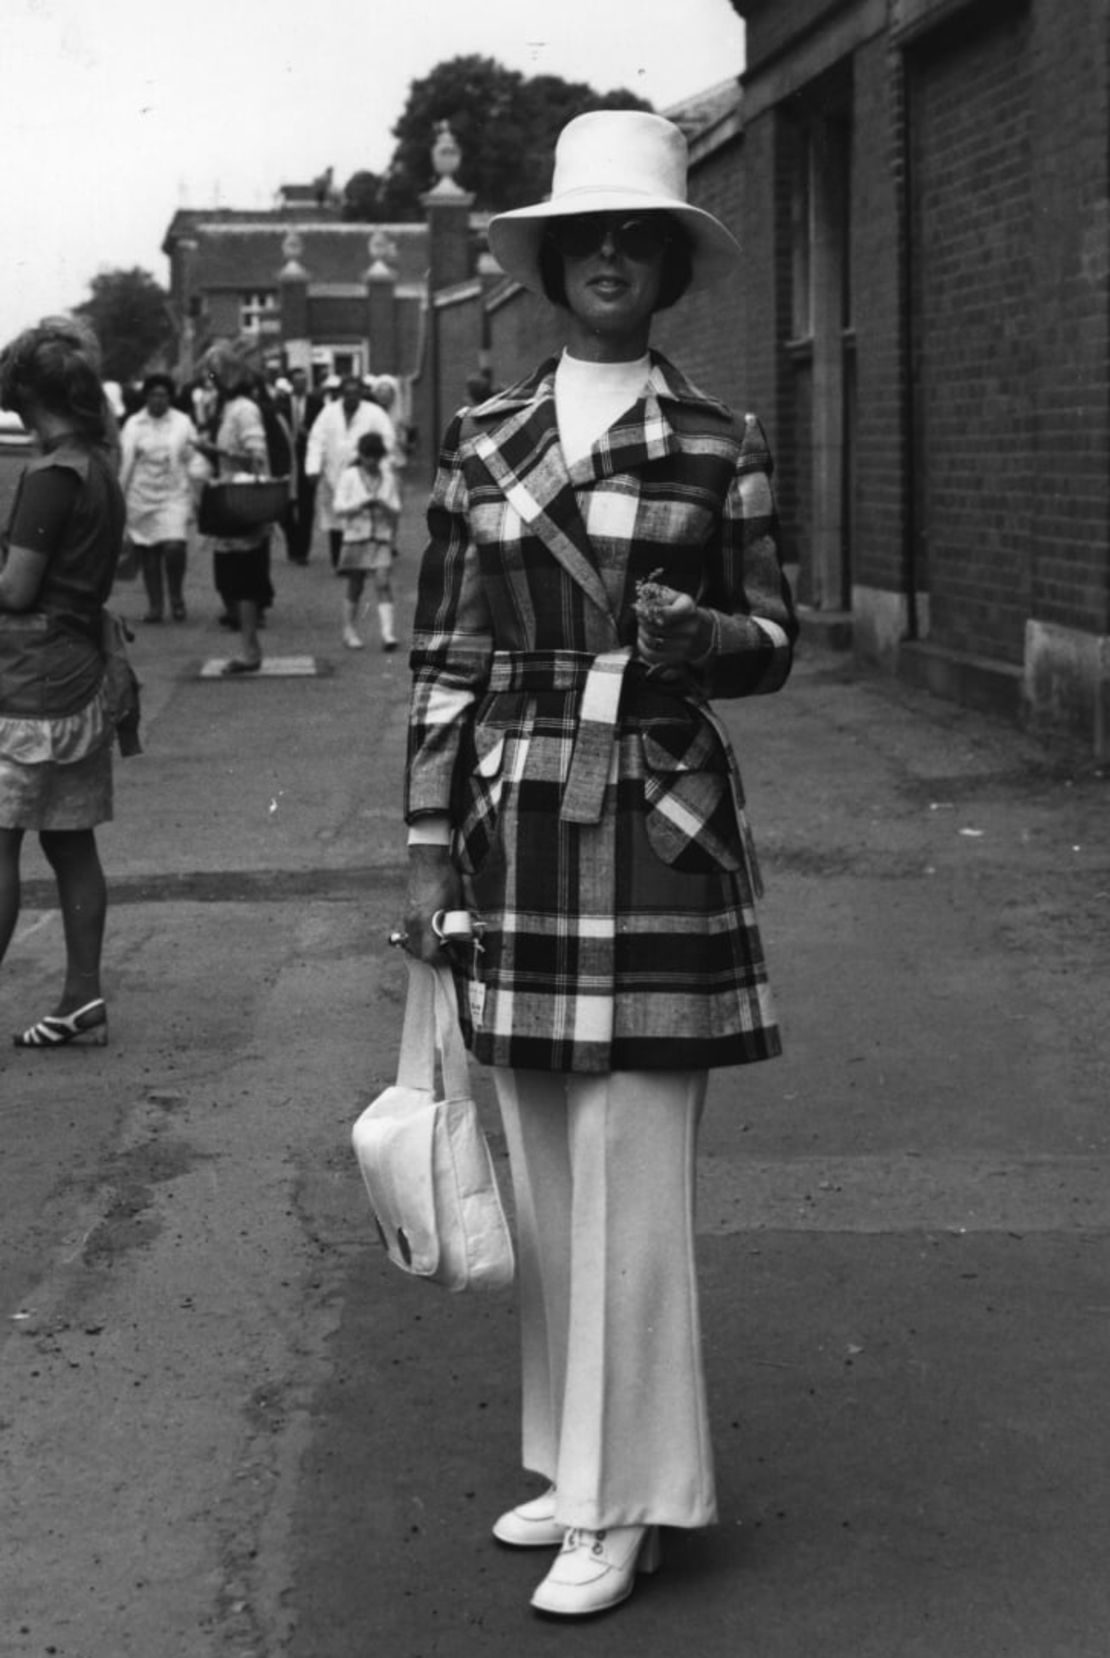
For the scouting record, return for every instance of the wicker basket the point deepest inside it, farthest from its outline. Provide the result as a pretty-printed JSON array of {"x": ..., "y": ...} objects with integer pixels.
[{"x": 235, "y": 507}]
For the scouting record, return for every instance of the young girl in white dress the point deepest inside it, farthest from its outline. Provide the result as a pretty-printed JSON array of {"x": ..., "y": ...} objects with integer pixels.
[{"x": 368, "y": 502}]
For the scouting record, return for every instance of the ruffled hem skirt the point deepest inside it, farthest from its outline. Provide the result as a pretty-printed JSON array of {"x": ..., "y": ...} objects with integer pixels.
[{"x": 56, "y": 773}]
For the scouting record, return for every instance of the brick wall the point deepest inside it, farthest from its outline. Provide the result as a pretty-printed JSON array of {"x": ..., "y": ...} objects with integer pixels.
[
  {"x": 460, "y": 338},
  {"x": 524, "y": 329},
  {"x": 1070, "y": 267},
  {"x": 877, "y": 508},
  {"x": 773, "y": 24},
  {"x": 704, "y": 333},
  {"x": 980, "y": 268},
  {"x": 974, "y": 327}
]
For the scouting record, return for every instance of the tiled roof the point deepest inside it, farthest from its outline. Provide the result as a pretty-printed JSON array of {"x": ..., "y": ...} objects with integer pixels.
[{"x": 236, "y": 249}]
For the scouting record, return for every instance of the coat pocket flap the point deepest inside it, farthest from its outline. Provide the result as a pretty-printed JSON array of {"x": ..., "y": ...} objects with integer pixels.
[{"x": 678, "y": 746}]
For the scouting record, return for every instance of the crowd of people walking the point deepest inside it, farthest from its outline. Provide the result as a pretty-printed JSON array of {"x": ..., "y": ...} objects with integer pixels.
[{"x": 233, "y": 420}]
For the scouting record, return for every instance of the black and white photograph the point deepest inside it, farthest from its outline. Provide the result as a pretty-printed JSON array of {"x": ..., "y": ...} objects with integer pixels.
[{"x": 555, "y": 829}]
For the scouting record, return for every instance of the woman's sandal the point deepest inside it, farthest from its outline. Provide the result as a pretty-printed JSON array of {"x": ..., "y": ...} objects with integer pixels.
[
  {"x": 239, "y": 665},
  {"x": 59, "y": 1028}
]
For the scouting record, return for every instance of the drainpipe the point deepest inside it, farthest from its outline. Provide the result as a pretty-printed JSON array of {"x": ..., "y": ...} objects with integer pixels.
[{"x": 909, "y": 369}]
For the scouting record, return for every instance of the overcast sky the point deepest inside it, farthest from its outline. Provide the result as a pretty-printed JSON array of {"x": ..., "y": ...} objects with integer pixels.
[{"x": 116, "y": 113}]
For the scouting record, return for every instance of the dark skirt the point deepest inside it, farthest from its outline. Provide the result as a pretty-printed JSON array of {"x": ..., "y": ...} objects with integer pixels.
[{"x": 244, "y": 575}]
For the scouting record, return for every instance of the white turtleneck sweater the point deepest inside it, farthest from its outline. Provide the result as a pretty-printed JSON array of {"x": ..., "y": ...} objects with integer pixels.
[{"x": 590, "y": 396}]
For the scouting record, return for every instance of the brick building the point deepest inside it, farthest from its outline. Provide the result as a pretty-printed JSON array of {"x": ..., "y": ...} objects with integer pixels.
[
  {"x": 927, "y": 302},
  {"x": 310, "y": 290}
]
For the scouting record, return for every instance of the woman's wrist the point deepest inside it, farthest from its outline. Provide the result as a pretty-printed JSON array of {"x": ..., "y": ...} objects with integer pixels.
[{"x": 706, "y": 640}]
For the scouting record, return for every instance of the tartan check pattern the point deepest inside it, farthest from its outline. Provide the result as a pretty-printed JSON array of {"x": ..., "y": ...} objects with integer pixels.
[{"x": 597, "y": 809}]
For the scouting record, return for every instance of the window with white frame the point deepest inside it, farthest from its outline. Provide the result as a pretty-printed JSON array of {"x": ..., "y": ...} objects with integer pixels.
[{"x": 258, "y": 311}]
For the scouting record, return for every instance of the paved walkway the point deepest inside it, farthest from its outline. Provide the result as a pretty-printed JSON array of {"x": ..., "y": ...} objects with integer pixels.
[{"x": 234, "y": 1429}]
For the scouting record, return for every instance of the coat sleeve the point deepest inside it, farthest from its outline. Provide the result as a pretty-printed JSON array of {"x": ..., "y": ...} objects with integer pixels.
[
  {"x": 452, "y": 642},
  {"x": 349, "y": 492},
  {"x": 127, "y": 454},
  {"x": 752, "y": 621},
  {"x": 314, "y": 449}
]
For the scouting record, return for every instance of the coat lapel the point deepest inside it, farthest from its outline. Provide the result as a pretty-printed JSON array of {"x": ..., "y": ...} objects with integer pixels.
[
  {"x": 517, "y": 441},
  {"x": 647, "y": 432}
]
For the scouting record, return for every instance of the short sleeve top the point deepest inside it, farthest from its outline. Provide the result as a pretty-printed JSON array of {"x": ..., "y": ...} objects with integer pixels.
[{"x": 69, "y": 506}]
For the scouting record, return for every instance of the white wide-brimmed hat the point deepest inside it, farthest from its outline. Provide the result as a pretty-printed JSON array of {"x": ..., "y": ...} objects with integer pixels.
[{"x": 615, "y": 161}]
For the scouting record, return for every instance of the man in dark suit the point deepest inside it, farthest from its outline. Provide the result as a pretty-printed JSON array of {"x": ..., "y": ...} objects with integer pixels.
[{"x": 300, "y": 406}]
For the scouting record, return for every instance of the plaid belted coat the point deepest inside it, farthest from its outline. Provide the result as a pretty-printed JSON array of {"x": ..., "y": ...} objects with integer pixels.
[{"x": 595, "y": 805}]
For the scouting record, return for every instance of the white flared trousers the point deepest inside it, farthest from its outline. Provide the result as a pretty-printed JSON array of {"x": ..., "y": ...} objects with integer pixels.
[{"x": 614, "y": 1399}]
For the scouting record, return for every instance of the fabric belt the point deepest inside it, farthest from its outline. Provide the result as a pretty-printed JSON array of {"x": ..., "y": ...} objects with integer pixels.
[{"x": 600, "y": 679}]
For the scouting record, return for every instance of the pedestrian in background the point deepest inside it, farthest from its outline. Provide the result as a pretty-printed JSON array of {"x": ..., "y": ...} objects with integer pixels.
[
  {"x": 158, "y": 445},
  {"x": 602, "y": 561},
  {"x": 59, "y": 559},
  {"x": 368, "y": 505},
  {"x": 300, "y": 407},
  {"x": 240, "y": 564},
  {"x": 386, "y": 391},
  {"x": 333, "y": 444}
]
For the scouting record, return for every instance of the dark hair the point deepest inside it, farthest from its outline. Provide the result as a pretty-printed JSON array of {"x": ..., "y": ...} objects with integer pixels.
[
  {"x": 675, "y": 278},
  {"x": 154, "y": 381},
  {"x": 371, "y": 446},
  {"x": 55, "y": 366}
]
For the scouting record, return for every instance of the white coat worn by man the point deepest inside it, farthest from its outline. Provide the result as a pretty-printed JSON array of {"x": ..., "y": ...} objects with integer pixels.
[{"x": 333, "y": 444}]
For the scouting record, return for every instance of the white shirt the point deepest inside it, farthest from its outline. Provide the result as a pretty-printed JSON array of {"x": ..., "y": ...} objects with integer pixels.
[{"x": 589, "y": 397}]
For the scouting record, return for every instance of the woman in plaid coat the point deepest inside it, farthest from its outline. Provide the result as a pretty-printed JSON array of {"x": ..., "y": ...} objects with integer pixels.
[{"x": 602, "y": 562}]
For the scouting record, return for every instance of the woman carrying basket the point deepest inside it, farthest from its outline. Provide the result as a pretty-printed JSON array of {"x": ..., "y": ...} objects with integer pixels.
[{"x": 240, "y": 563}]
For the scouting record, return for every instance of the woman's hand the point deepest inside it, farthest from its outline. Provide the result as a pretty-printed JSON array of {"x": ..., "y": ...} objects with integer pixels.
[
  {"x": 434, "y": 884},
  {"x": 672, "y": 634}
]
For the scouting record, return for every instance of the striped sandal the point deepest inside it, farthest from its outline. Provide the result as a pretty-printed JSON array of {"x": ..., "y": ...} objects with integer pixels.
[{"x": 59, "y": 1028}]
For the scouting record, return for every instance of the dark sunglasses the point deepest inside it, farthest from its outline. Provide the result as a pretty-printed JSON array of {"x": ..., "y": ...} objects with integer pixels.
[{"x": 638, "y": 238}]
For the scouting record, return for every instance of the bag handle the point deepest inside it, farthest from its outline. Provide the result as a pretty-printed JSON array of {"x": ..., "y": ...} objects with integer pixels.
[{"x": 432, "y": 1023}]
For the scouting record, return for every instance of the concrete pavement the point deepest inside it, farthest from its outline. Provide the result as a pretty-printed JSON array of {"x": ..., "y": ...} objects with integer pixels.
[{"x": 231, "y": 1428}]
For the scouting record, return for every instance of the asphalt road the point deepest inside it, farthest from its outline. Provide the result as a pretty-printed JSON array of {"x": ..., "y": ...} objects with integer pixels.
[{"x": 229, "y": 1428}]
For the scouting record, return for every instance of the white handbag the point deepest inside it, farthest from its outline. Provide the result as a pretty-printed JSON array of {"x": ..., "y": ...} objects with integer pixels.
[{"x": 425, "y": 1160}]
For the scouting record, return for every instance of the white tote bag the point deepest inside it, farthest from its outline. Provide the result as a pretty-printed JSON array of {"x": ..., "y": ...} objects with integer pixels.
[{"x": 424, "y": 1159}]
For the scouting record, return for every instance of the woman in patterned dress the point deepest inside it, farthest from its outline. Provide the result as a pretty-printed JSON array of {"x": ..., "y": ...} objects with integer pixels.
[
  {"x": 58, "y": 561},
  {"x": 602, "y": 562}
]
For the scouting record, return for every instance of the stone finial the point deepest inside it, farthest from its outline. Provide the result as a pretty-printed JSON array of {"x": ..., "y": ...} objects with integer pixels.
[
  {"x": 292, "y": 246},
  {"x": 446, "y": 155},
  {"x": 446, "y": 160},
  {"x": 382, "y": 247}
]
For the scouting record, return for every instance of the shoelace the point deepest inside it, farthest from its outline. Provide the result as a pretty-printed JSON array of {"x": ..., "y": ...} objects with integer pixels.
[{"x": 570, "y": 1541}]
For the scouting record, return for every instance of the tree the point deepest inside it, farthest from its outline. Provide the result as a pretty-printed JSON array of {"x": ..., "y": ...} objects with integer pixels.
[
  {"x": 505, "y": 123},
  {"x": 129, "y": 313},
  {"x": 362, "y": 198}
]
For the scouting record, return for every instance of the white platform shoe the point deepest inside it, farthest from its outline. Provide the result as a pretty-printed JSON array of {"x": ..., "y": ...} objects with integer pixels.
[
  {"x": 531, "y": 1525},
  {"x": 596, "y": 1570}
]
